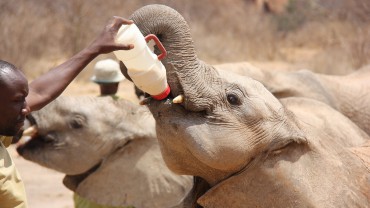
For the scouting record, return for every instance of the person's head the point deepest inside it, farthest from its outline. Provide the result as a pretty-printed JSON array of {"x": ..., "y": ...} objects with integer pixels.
[
  {"x": 108, "y": 75},
  {"x": 13, "y": 93}
]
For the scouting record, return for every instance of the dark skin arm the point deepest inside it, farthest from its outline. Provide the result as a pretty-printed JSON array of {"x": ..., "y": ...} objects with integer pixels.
[{"x": 49, "y": 86}]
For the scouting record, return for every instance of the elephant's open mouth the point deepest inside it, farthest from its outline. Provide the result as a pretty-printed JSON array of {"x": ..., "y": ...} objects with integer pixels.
[
  {"x": 159, "y": 108},
  {"x": 29, "y": 135},
  {"x": 179, "y": 99}
]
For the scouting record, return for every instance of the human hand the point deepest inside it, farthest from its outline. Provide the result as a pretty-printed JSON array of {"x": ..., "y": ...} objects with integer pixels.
[{"x": 105, "y": 42}]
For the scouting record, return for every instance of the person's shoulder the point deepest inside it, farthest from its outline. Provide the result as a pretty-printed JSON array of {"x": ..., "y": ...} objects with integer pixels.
[
  {"x": 114, "y": 97},
  {"x": 6, "y": 140}
]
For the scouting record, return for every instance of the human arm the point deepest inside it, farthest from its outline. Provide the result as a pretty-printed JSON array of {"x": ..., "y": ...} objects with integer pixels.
[{"x": 50, "y": 85}]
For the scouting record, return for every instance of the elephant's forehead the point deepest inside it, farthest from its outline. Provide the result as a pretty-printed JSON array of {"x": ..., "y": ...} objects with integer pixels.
[
  {"x": 249, "y": 85},
  {"x": 255, "y": 90}
]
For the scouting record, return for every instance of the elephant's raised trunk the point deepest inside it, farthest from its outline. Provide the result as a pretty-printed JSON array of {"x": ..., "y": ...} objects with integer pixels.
[
  {"x": 184, "y": 70},
  {"x": 171, "y": 29}
]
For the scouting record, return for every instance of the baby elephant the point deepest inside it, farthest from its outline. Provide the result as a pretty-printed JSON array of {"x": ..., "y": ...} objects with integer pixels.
[{"x": 108, "y": 150}]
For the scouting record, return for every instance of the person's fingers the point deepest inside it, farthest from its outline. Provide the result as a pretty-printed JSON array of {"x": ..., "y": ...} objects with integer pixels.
[
  {"x": 125, "y": 21},
  {"x": 119, "y": 21},
  {"x": 125, "y": 46}
]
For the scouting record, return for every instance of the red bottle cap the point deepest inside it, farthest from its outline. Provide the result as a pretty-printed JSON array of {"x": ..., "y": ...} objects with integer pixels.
[{"x": 163, "y": 94}]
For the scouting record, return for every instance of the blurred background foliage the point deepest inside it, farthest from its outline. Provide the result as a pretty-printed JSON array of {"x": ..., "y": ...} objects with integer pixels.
[{"x": 327, "y": 36}]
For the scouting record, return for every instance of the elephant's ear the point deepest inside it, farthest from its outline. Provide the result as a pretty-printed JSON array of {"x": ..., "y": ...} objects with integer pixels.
[
  {"x": 363, "y": 152},
  {"x": 200, "y": 186},
  {"x": 288, "y": 134},
  {"x": 278, "y": 145}
]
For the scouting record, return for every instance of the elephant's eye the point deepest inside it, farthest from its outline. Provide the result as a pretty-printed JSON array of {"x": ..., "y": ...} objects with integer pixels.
[
  {"x": 76, "y": 124},
  {"x": 233, "y": 99},
  {"x": 77, "y": 121}
]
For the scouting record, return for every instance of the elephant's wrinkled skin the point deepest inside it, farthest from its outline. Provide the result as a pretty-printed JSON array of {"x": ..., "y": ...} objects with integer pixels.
[
  {"x": 108, "y": 151},
  {"x": 245, "y": 147},
  {"x": 349, "y": 94}
]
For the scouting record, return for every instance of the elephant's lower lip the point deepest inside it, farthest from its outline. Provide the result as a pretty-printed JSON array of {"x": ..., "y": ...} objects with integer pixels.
[
  {"x": 150, "y": 102},
  {"x": 146, "y": 101},
  {"x": 156, "y": 106},
  {"x": 161, "y": 109}
]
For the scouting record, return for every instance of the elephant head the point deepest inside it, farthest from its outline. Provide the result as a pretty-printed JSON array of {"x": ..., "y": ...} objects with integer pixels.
[
  {"x": 107, "y": 150},
  {"x": 245, "y": 147},
  {"x": 224, "y": 119}
]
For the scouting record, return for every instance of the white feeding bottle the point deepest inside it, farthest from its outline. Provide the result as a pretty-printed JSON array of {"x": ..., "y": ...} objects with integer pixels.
[{"x": 143, "y": 66}]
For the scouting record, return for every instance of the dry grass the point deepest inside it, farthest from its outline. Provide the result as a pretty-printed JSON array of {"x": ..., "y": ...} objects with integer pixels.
[{"x": 330, "y": 36}]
